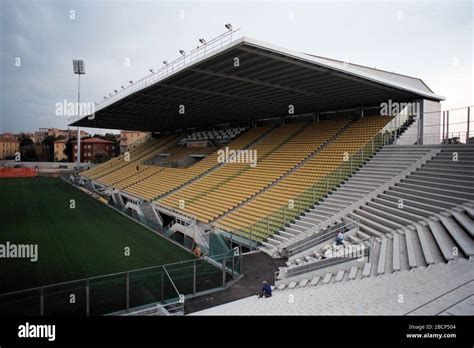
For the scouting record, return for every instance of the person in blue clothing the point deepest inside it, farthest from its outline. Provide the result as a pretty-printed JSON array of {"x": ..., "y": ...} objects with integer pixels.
[
  {"x": 266, "y": 290},
  {"x": 340, "y": 239}
]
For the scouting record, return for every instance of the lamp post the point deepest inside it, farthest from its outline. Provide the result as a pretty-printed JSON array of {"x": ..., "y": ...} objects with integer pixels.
[{"x": 79, "y": 69}]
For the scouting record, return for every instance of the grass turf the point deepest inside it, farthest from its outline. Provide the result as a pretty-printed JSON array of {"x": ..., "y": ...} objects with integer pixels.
[{"x": 87, "y": 241}]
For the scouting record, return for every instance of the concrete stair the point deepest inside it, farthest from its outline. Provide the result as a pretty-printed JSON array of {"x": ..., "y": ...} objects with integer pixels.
[
  {"x": 416, "y": 224},
  {"x": 386, "y": 164}
]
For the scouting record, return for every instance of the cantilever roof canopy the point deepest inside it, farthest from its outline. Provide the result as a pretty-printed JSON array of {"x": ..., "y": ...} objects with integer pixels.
[{"x": 213, "y": 90}]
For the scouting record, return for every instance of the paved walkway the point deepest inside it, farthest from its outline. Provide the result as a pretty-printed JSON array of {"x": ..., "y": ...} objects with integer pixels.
[
  {"x": 257, "y": 267},
  {"x": 438, "y": 289}
]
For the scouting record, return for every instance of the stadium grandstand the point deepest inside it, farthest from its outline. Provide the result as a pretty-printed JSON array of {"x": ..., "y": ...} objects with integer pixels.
[{"x": 278, "y": 152}]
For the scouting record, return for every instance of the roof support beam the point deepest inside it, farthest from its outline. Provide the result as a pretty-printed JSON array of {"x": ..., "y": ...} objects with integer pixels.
[{"x": 256, "y": 82}]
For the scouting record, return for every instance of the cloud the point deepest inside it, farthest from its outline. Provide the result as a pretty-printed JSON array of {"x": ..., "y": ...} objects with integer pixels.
[{"x": 105, "y": 33}]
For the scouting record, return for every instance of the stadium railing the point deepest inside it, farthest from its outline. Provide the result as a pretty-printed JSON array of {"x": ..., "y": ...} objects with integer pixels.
[
  {"x": 123, "y": 291},
  {"x": 352, "y": 251},
  {"x": 329, "y": 233}
]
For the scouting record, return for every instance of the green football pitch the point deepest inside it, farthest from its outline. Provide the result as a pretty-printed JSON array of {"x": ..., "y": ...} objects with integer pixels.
[{"x": 76, "y": 239}]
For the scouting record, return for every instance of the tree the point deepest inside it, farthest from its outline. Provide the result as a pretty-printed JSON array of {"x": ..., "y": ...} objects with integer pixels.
[
  {"x": 28, "y": 153},
  {"x": 25, "y": 141},
  {"x": 48, "y": 144},
  {"x": 100, "y": 157},
  {"x": 68, "y": 148}
]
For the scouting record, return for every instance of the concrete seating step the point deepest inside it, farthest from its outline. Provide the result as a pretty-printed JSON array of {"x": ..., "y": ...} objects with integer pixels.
[
  {"x": 410, "y": 247},
  {"x": 441, "y": 180},
  {"x": 339, "y": 275},
  {"x": 436, "y": 174},
  {"x": 362, "y": 235},
  {"x": 292, "y": 285},
  {"x": 377, "y": 177},
  {"x": 366, "y": 270},
  {"x": 427, "y": 197},
  {"x": 365, "y": 186},
  {"x": 353, "y": 273},
  {"x": 464, "y": 221},
  {"x": 327, "y": 278},
  {"x": 423, "y": 231},
  {"x": 318, "y": 214},
  {"x": 396, "y": 252},
  {"x": 469, "y": 210},
  {"x": 268, "y": 245},
  {"x": 294, "y": 229},
  {"x": 325, "y": 209},
  {"x": 364, "y": 180},
  {"x": 333, "y": 204},
  {"x": 286, "y": 234},
  {"x": 404, "y": 211},
  {"x": 272, "y": 241},
  {"x": 280, "y": 238},
  {"x": 447, "y": 170},
  {"x": 315, "y": 281},
  {"x": 432, "y": 205},
  {"x": 303, "y": 283},
  {"x": 382, "y": 257},
  {"x": 407, "y": 206},
  {"x": 453, "y": 185},
  {"x": 433, "y": 190},
  {"x": 375, "y": 221},
  {"x": 444, "y": 241},
  {"x": 396, "y": 215},
  {"x": 369, "y": 231},
  {"x": 281, "y": 286},
  {"x": 352, "y": 238},
  {"x": 353, "y": 190},
  {"x": 463, "y": 240}
]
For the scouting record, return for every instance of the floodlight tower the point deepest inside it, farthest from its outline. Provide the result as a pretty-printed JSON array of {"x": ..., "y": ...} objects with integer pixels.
[{"x": 79, "y": 69}]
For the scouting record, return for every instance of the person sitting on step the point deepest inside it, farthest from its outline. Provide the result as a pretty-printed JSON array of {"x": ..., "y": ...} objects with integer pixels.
[
  {"x": 266, "y": 290},
  {"x": 340, "y": 239}
]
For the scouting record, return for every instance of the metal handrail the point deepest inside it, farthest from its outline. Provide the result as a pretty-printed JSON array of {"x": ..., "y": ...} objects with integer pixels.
[
  {"x": 314, "y": 239},
  {"x": 171, "y": 280},
  {"x": 320, "y": 264}
]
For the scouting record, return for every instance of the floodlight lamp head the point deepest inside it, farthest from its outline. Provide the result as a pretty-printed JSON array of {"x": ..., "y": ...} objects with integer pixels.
[
  {"x": 202, "y": 41},
  {"x": 79, "y": 67},
  {"x": 182, "y": 52},
  {"x": 228, "y": 26}
]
